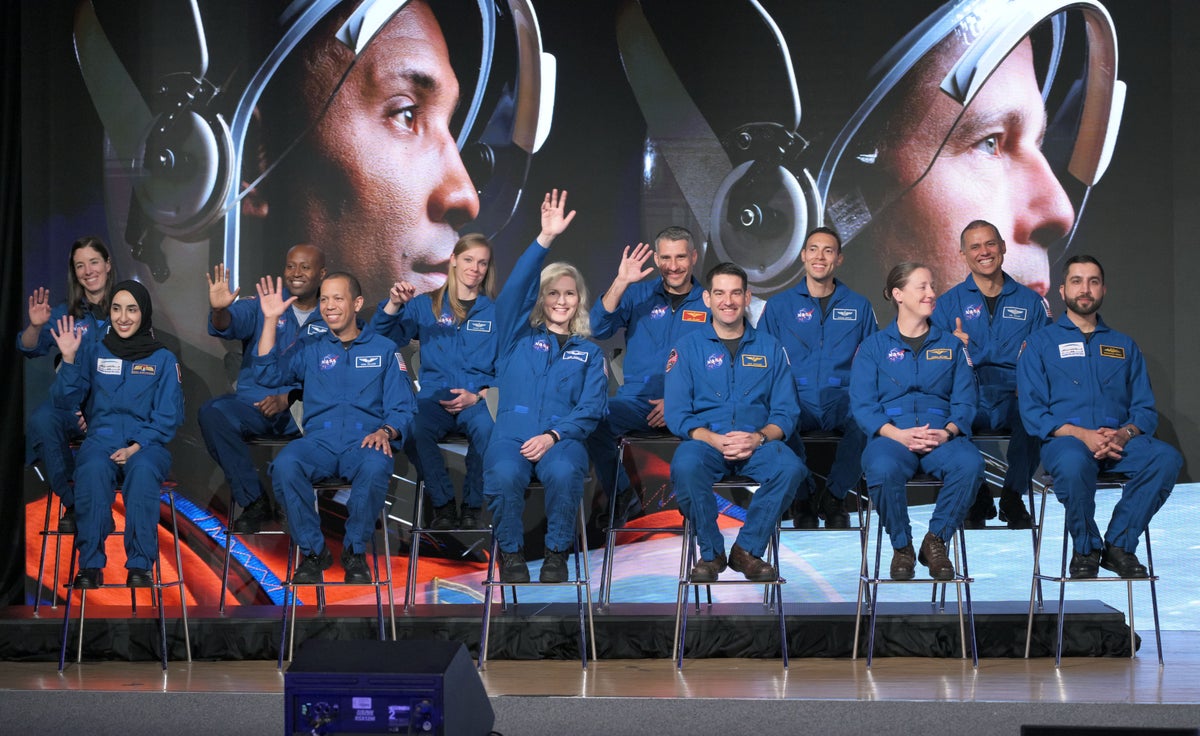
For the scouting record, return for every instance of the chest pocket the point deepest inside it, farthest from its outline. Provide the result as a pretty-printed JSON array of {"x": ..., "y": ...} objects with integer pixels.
[
  {"x": 568, "y": 373},
  {"x": 752, "y": 373},
  {"x": 1113, "y": 371},
  {"x": 936, "y": 368}
]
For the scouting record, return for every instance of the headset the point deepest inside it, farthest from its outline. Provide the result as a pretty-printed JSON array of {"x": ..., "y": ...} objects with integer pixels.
[
  {"x": 747, "y": 173},
  {"x": 178, "y": 138}
]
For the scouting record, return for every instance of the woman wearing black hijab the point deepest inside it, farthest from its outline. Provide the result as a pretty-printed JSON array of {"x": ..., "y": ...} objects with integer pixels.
[{"x": 130, "y": 388}]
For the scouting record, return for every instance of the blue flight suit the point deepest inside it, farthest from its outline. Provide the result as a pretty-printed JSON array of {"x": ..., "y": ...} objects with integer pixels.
[
  {"x": 452, "y": 356},
  {"x": 891, "y": 384},
  {"x": 821, "y": 346},
  {"x": 708, "y": 388},
  {"x": 542, "y": 387},
  {"x": 227, "y": 421},
  {"x": 51, "y": 430},
  {"x": 348, "y": 394},
  {"x": 995, "y": 341},
  {"x": 1065, "y": 378},
  {"x": 125, "y": 402},
  {"x": 652, "y": 328}
]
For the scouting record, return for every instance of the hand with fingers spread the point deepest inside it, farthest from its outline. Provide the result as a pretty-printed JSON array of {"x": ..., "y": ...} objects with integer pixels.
[
  {"x": 633, "y": 265},
  {"x": 67, "y": 337},
  {"x": 270, "y": 298},
  {"x": 39, "y": 307},
  {"x": 555, "y": 219},
  {"x": 219, "y": 294}
]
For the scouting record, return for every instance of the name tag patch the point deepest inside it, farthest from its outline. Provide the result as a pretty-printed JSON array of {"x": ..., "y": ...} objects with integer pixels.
[
  {"x": 694, "y": 315},
  {"x": 846, "y": 315},
  {"x": 108, "y": 366},
  {"x": 754, "y": 361},
  {"x": 1014, "y": 313},
  {"x": 143, "y": 369},
  {"x": 317, "y": 329},
  {"x": 479, "y": 325},
  {"x": 939, "y": 354},
  {"x": 368, "y": 361},
  {"x": 580, "y": 355},
  {"x": 1071, "y": 350},
  {"x": 1112, "y": 351}
]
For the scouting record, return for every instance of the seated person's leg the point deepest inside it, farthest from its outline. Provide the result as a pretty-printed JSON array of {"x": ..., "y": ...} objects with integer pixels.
[
  {"x": 694, "y": 469},
  {"x": 145, "y": 472},
  {"x": 1153, "y": 467},
  {"x": 805, "y": 501},
  {"x": 562, "y": 471},
  {"x": 368, "y": 471},
  {"x": 477, "y": 423},
  {"x": 303, "y": 462},
  {"x": 95, "y": 484},
  {"x": 429, "y": 426},
  {"x": 49, "y": 434},
  {"x": 505, "y": 478},
  {"x": 1074, "y": 470},
  {"x": 226, "y": 422},
  {"x": 959, "y": 466},
  {"x": 779, "y": 472},
  {"x": 888, "y": 466},
  {"x": 625, "y": 415}
]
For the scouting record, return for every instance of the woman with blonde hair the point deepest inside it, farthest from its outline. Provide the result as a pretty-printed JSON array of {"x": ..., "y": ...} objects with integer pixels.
[
  {"x": 553, "y": 391},
  {"x": 456, "y": 326}
]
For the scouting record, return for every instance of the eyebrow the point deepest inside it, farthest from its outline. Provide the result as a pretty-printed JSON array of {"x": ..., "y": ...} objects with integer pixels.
[
  {"x": 422, "y": 80},
  {"x": 972, "y": 126}
]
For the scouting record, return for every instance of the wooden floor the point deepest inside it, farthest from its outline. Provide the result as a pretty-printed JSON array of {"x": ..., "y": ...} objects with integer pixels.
[{"x": 1099, "y": 680}]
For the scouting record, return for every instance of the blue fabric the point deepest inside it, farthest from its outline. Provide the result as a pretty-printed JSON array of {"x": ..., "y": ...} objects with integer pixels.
[
  {"x": 890, "y": 384},
  {"x": 246, "y": 325},
  {"x": 821, "y": 347},
  {"x": 126, "y": 401},
  {"x": 91, "y": 329},
  {"x": 1102, "y": 382},
  {"x": 349, "y": 392},
  {"x": 541, "y": 388},
  {"x": 1064, "y": 379},
  {"x": 453, "y": 355},
  {"x": 697, "y": 465}
]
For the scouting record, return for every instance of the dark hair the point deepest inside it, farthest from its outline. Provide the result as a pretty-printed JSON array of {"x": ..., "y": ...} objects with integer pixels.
[
  {"x": 725, "y": 269},
  {"x": 898, "y": 278},
  {"x": 975, "y": 225},
  {"x": 449, "y": 290},
  {"x": 75, "y": 292},
  {"x": 828, "y": 231},
  {"x": 675, "y": 233},
  {"x": 355, "y": 287},
  {"x": 1082, "y": 258}
]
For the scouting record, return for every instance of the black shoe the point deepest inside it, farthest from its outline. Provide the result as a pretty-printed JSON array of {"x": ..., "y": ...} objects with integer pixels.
[
  {"x": 981, "y": 510},
  {"x": 1085, "y": 566},
  {"x": 934, "y": 556},
  {"x": 355, "y": 567},
  {"x": 470, "y": 518},
  {"x": 804, "y": 513},
  {"x": 66, "y": 524},
  {"x": 706, "y": 571},
  {"x": 1123, "y": 563},
  {"x": 311, "y": 569},
  {"x": 139, "y": 578},
  {"x": 251, "y": 519},
  {"x": 554, "y": 567},
  {"x": 1013, "y": 511},
  {"x": 445, "y": 517},
  {"x": 833, "y": 511},
  {"x": 88, "y": 578},
  {"x": 513, "y": 568},
  {"x": 904, "y": 563}
]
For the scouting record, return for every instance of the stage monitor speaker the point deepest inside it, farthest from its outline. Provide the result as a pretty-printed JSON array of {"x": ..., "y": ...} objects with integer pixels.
[{"x": 385, "y": 687}]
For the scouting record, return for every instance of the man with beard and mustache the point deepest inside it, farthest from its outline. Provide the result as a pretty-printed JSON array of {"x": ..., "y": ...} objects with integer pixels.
[{"x": 1084, "y": 390}]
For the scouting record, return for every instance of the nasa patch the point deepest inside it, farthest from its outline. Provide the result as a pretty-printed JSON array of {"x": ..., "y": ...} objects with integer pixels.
[
  {"x": 973, "y": 311},
  {"x": 714, "y": 361},
  {"x": 446, "y": 320},
  {"x": 896, "y": 355},
  {"x": 542, "y": 345},
  {"x": 658, "y": 312},
  {"x": 804, "y": 315},
  {"x": 329, "y": 362}
]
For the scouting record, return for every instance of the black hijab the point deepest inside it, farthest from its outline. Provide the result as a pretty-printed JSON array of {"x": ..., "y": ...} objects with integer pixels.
[{"x": 141, "y": 343}]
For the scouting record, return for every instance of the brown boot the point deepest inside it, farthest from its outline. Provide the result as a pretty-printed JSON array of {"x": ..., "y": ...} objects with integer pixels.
[
  {"x": 754, "y": 568},
  {"x": 933, "y": 555},
  {"x": 706, "y": 571},
  {"x": 904, "y": 563}
]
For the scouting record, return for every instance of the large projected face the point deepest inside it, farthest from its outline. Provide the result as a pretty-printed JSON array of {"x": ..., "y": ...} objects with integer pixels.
[
  {"x": 990, "y": 166},
  {"x": 377, "y": 182}
]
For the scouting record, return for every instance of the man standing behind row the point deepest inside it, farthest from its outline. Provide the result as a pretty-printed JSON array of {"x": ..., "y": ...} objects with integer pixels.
[
  {"x": 821, "y": 323},
  {"x": 655, "y": 315},
  {"x": 993, "y": 315},
  {"x": 257, "y": 410},
  {"x": 1084, "y": 391},
  {"x": 731, "y": 399}
]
